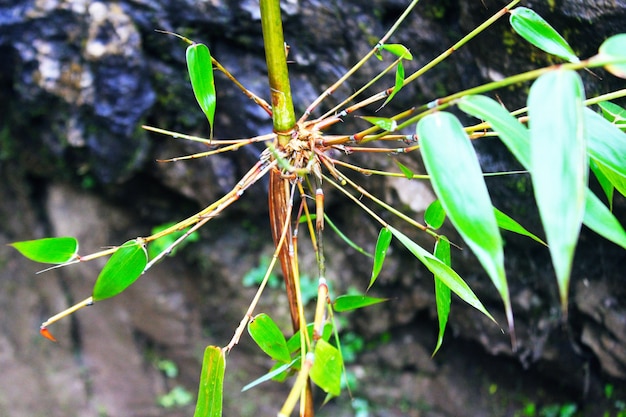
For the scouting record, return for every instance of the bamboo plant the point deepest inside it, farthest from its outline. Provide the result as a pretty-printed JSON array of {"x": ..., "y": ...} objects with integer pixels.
[{"x": 556, "y": 138}]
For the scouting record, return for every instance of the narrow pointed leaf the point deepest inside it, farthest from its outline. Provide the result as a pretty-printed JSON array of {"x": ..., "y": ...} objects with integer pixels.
[
  {"x": 355, "y": 301},
  {"x": 345, "y": 238},
  {"x": 512, "y": 133},
  {"x": 382, "y": 244},
  {"x": 384, "y": 123},
  {"x": 559, "y": 165},
  {"x": 122, "y": 269},
  {"x": 398, "y": 50},
  {"x": 405, "y": 170},
  {"x": 446, "y": 274},
  {"x": 326, "y": 370},
  {"x": 457, "y": 179},
  {"x": 211, "y": 389},
  {"x": 270, "y": 375},
  {"x": 606, "y": 142},
  {"x": 350, "y": 242},
  {"x": 442, "y": 291},
  {"x": 600, "y": 219},
  {"x": 268, "y": 336},
  {"x": 282, "y": 376},
  {"x": 50, "y": 250},
  {"x": 398, "y": 84},
  {"x": 617, "y": 180},
  {"x": 532, "y": 27},
  {"x": 200, "y": 70},
  {"x": 614, "y": 48},
  {"x": 435, "y": 215},
  {"x": 507, "y": 223},
  {"x": 605, "y": 183}
]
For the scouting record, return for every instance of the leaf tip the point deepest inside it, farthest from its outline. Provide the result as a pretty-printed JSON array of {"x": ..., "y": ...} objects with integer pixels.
[{"x": 43, "y": 330}]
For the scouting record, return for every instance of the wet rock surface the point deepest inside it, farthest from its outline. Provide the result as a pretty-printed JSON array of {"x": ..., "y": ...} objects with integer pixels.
[{"x": 77, "y": 80}]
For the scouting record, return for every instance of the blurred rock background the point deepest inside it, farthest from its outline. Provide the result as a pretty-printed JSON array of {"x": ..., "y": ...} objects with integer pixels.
[{"x": 78, "y": 78}]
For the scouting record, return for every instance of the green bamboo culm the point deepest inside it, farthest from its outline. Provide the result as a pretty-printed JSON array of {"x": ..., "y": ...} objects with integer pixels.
[{"x": 282, "y": 105}]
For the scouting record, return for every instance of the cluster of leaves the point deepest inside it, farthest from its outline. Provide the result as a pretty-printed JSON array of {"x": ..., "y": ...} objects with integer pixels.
[{"x": 556, "y": 138}]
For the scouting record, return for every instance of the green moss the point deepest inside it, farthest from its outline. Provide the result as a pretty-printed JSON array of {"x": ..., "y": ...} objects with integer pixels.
[
  {"x": 509, "y": 41},
  {"x": 436, "y": 10}
]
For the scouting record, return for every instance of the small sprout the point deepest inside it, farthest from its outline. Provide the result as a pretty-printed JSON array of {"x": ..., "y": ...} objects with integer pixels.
[{"x": 396, "y": 49}]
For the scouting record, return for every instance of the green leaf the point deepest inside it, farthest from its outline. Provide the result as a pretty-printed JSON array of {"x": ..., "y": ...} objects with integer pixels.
[
  {"x": 559, "y": 165},
  {"x": 617, "y": 180},
  {"x": 382, "y": 244},
  {"x": 123, "y": 268},
  {"x": 398, "y": 84},
  {"x": 605, "y": 183},
  {"x": 405, "y": 170},
  {"x": 50, "y": 250},
  {"x": 270, "y": 375},
  {"x": 282, "y": 376},
  {"x": 446, "y": 274},
  {"x": 532, "y": 27},
  {"x": 326, "y": 369},
  {"x": 507, "y": 223},
  {"x": 177, "y": 397},
  {"x": 442, "y": 291},
  {"x": 268, "y": 336},
  {"x": 294, "y": 341},
  {"x": 600, "y": 219},
  {"x": 512, "y": 133},
  {"x": 384, "y": 123},
  {"x": 211, "y": 389},
  {"x": 614, "y": 48},
  {"x": 435, "y": 215},
  {"x": 157, "y": 246},
  {"x": 606, "y": 142},
  {"x": 168, "y": 367},
  {"x": 613, "y": 113},
  {"x": 442, "y": 250},
  {"x": 457, "y": 179},
  {"x": 398, "y": 50},
  {"x": 354, "y": 301},
  {"x": 303, "y": 219},
  {"x": 201, "y": 75},
  {"x": 345, "y": 238}
]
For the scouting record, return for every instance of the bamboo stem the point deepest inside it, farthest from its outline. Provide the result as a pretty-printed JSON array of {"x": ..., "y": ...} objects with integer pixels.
[
  {"x": 284, "y": 120},
  {"x": 280, "y": 90}
]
